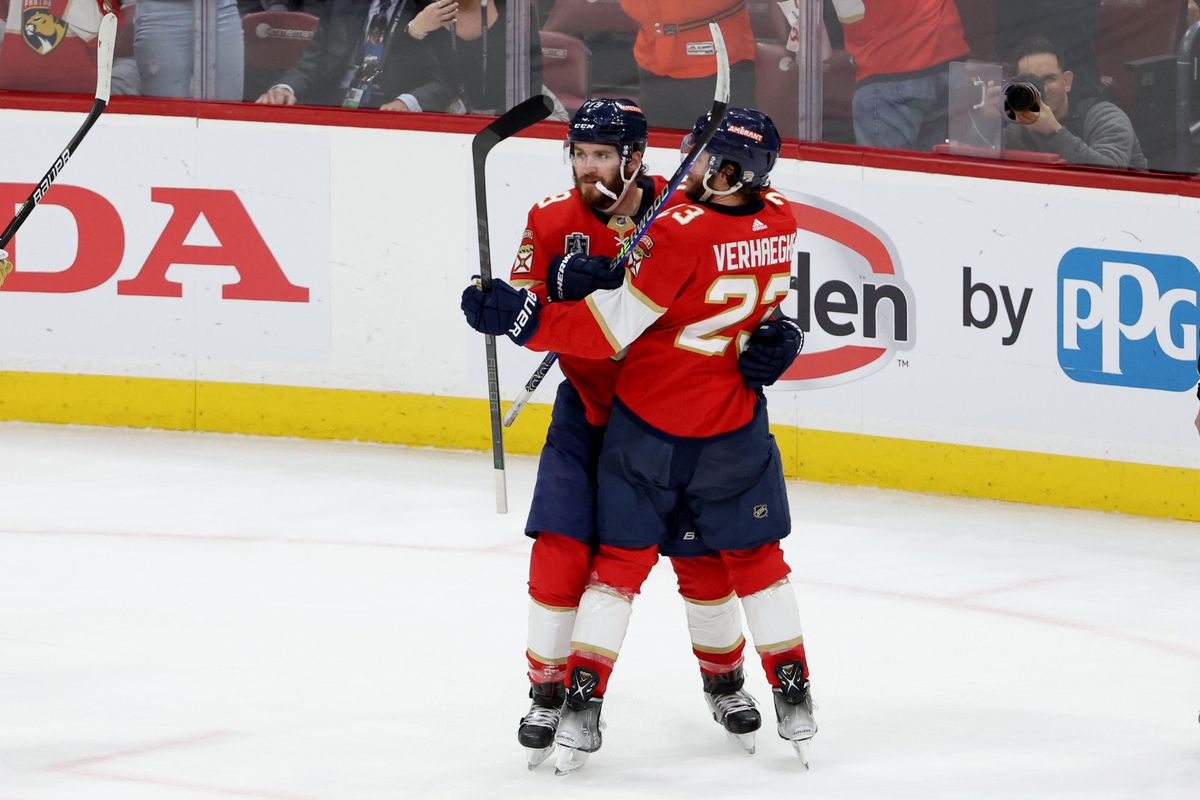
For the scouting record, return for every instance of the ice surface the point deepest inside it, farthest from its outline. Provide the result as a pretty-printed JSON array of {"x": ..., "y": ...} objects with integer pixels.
[{"x": 201, "y": 616}]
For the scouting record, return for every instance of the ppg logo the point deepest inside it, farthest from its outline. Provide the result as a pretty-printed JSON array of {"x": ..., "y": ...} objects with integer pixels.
[{"x": 1128, "y": 319}]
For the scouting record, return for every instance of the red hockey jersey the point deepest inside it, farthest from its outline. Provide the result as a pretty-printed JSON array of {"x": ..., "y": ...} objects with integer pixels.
[
  {"x": 562, "y": 224},
  {"x": 710, "y": 276}
]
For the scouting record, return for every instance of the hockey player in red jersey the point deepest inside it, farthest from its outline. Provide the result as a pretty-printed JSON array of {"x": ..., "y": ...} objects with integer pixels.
[
  {"x": 565, "y": 253},
  {"x": 685, "y": 430}
]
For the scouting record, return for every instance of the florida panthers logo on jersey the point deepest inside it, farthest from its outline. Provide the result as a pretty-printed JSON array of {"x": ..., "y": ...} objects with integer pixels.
[
  {"x": 41, "y": 30},
  {"x": 524, "y": 262},
  {"x": 577, "y": 243},
  {"x": 640, "y": 252}
]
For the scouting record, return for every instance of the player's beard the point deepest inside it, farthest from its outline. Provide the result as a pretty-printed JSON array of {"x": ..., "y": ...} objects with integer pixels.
[
  {"x": 591, "y": 196},
  {"x": 693, "y": 187}
]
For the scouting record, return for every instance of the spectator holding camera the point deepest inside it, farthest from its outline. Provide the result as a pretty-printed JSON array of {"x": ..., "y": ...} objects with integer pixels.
[{"x": 1084, "y": 130}]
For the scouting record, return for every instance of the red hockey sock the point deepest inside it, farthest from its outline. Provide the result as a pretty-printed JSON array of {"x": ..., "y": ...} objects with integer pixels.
[{"x": 558, "y": 570}]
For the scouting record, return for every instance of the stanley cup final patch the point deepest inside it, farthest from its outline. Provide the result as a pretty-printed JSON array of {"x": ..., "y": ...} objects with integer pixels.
[
  {"x": 578, "y": 243},
  {"x": 40, "y": 28}
]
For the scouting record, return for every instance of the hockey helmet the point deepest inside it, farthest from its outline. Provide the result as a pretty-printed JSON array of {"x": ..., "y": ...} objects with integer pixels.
[
  {"x": 618, "y": 122},
  {"x": 748, "y": 139}
]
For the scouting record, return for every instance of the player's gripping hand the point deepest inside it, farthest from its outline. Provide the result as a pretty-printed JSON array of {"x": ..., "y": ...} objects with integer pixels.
[
  {"x": 503, "y": 310},
  {"x": 773, "y": 347},
  {"x": 5, "y": 266},
  {"x": 575, "y": 276}
]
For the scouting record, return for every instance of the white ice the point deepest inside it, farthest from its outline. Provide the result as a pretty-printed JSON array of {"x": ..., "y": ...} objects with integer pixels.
[{"x": 201, "y": 616}]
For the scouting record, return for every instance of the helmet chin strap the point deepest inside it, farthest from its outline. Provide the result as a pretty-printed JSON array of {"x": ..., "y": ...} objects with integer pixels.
[
  {"x": 616, "y": 198},
  {"x": 711, "y": 192}
]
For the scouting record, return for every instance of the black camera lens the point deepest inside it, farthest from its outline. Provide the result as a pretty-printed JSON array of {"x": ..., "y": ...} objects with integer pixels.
[{"x": 1022, "y": 96}]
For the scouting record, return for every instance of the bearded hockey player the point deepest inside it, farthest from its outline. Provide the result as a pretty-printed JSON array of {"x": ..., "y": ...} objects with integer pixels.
[
  {"x": 686, "y": 430},
  {"x": 564, "y": 255}
]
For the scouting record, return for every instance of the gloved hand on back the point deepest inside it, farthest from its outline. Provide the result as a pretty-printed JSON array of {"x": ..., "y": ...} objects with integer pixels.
[
  {"x": 575, "y": 276},
  {"x": 773, "y": 347}
]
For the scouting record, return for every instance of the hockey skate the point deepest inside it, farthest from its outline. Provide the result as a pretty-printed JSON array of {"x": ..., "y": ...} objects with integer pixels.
[
  {"x": 733, "y": 707},
  {"x": 579, "y": 729},
  {"x": 536, "y": 733},
  {"x": 794, "y": 708}
]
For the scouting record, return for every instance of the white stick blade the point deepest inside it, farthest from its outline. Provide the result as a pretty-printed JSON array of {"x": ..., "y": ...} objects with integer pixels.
[
  {"x": 106, "y": 41},
  {"x": 501, "y": 493},
  {"x": 722, "y": 92},
  {"x": 516, "y": 407}
]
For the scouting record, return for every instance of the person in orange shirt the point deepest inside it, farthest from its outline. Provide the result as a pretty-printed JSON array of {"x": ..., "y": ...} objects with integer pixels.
[
  {"x": 674, "y": 52},
  {"x": 902, "y": 50}
]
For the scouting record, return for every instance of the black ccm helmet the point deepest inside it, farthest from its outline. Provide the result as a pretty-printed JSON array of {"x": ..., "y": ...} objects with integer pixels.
[{"x": 617, "y": 122}]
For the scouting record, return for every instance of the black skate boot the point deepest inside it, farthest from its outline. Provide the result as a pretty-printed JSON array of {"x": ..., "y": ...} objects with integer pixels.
[
  {"x": 536, "y": 733},
  {"x": 733, "y": 707},
  {"x": 579, "y": 729},
  {"x": 794, "y": 708}
]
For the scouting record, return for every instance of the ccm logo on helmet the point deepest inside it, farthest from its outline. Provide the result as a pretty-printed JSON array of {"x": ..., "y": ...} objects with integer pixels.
[{"x": 855, "y": 319}]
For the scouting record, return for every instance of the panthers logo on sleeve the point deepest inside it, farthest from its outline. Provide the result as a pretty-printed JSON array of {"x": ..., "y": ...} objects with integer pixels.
[
  {"x": 524, "y": 262},
  {"x": 41, "y": 30},
  {"x": 640, "y": 252}
]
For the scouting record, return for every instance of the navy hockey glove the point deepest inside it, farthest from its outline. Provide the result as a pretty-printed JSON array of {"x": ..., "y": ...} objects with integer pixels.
[
  {"x": 771, "y": 350},
  {"x": 503, "y": 310},
  {"x": 575, "y": 276}
]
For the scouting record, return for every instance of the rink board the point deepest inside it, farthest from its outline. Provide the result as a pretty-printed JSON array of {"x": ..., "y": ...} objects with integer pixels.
[{"x": 993, "y": 338}]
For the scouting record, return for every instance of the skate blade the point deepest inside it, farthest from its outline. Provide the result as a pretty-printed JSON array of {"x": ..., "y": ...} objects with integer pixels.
[
  {"x": 534, "y": 756},
  {"x": 569, "y": 760},
  {"x": 801, "y": 748},
  {"x": 745, "y": 741}
]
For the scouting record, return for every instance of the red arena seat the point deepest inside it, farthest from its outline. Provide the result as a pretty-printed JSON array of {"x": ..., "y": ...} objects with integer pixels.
[
  {"x": 589, "y": 16},
  {"x": 565, "y": 65},
  {"x": 275, "y": 40},
  {"x": 767, "y": 21}
]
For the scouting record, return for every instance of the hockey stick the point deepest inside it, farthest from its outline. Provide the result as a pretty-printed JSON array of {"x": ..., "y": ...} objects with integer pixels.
[
  {"x": 715, "y": 115},
  {"x": 106, "y": 39},
  {"x": 513, "y": 121}
]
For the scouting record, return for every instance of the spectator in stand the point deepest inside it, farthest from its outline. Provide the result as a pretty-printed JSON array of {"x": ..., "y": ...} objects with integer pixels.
[
  {"x": 1193, "y": 13},
  {"x": 471, "y": 55},
  {"x": 359, "y": 43},
  {"x": 1083, "y": 130},
  {"x": 902, "y": 50},
  {"x": 164, "y": 42},
  {"x": 1072, "y": 25},
  {"x": 674, "y": 53}
]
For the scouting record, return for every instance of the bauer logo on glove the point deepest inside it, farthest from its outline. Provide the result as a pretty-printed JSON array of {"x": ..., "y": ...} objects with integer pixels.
[{"x": 503, "y": 310}]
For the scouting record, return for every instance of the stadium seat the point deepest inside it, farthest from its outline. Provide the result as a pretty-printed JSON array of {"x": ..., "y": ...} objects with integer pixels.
[
  {"x": 778, "y": 91},
  {"x": 275, "y": 40},
  {"x": 589, "y": 16},
  {"x": 608, "y": 33},
  {"x": 767, "y": 21},
  {"x": 979, "y": 27},
  {"x": 565, "y": 65},
  {"x": 1135, "y": 48},
  {"x": 1132, "y": 31},
  {"x": 778, "y": 87}
]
